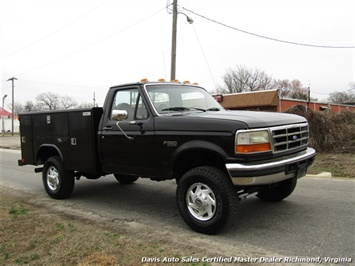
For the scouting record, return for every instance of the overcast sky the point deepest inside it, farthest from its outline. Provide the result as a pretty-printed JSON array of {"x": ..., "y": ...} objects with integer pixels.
[{"x": 78, "y": 48}]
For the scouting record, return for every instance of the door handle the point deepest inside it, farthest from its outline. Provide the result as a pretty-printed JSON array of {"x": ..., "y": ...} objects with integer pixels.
[
  {"x": 108, "y": 128},
  {"x": 140, "y": 124}
]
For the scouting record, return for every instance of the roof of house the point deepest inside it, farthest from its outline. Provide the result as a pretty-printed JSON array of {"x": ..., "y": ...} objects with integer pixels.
[
  {"x": 250, "y": 99},
  {"x": 3, "y": 112}
]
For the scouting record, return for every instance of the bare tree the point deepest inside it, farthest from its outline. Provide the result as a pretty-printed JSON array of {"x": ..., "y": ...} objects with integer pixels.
[
  {"x": 29, "y": 106},
  {"x": 52, "y": 101},
  {"x": 18, "y": 108},
  {"x": 242, "y": 79},
  {"x": 342, "y": 97},
  {"x": 67, "y": 102},
  {"x": 48, "y": 101},
  {"x": 291, "y": 89},
  {"x": 85, "y": 105}
]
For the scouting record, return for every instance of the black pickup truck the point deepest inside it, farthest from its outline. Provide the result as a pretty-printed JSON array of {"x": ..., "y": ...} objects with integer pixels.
[{"x": 166, "y": 130}]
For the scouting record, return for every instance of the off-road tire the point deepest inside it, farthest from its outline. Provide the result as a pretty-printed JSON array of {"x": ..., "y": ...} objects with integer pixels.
[
  {"x": 277, "y": 192},
  {"x": 206, "y": 199},
  {"x": 58, "y": 182}
]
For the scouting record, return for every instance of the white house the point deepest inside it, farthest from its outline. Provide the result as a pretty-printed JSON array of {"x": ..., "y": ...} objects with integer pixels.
[{"x": 7, "y": 124}]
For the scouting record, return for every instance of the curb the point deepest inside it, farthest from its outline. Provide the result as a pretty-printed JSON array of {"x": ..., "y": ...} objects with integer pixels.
[{"x": 323, "y": 174}]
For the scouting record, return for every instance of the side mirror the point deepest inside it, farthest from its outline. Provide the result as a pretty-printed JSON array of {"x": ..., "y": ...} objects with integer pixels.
[{"x": 119, "y": 115}]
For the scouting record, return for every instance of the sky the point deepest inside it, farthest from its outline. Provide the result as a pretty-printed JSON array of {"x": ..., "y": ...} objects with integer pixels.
[{"x": 81, "y": 48}]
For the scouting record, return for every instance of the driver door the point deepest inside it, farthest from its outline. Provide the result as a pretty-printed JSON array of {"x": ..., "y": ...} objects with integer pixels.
[{"x": 123, "y": 155}]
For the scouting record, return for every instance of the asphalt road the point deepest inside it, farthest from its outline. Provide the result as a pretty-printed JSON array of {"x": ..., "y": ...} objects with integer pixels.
[{"x": 317, "y": 220}]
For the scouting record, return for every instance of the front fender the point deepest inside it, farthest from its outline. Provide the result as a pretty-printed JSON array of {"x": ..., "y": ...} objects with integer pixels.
[{"x": 197, "y": 145}]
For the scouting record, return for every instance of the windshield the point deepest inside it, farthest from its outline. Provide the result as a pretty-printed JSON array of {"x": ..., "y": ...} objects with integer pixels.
[{"x": 168, "y": 98}]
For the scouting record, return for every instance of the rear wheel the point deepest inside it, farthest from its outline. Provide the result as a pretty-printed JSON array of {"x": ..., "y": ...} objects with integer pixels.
[
  {"x": 58, "y": 182},
  {"x": 126, "y": 179},
  {"x": 206, "y": 199},
  {"x": 277, "y": 192}
]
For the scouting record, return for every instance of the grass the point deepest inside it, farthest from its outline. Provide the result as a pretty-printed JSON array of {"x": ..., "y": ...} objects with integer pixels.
[
  {"x": 339, "y": 164},
  {"x": 30, "y": 235}
]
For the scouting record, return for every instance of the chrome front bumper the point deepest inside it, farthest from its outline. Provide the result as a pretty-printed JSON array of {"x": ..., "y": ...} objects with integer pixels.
[{"x": 262, "y": 173}]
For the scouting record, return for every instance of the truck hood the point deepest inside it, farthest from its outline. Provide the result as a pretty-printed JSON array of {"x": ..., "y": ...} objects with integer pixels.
[{"x": 254, "y": 119}]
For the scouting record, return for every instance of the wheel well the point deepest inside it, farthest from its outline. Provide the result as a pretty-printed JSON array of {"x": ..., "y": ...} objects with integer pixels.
[
  {"x": 46, "y": 152},
  {"x": 196, "y": 158}
]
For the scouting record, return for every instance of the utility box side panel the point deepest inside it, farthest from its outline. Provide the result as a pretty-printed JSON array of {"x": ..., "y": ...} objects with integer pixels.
[
  {"x": 50, "y": 125},
  {"x": 83, "y": 129},
  {"x": 26, "y": 139},
  {"x": 51, "y": 130}
]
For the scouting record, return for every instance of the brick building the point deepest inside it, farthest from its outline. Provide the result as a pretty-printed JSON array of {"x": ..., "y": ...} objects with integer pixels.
[{"x": 269, "y": 101}]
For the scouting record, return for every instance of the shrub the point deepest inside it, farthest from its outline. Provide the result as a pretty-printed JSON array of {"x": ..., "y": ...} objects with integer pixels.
[{"x": 329, "y": 132}]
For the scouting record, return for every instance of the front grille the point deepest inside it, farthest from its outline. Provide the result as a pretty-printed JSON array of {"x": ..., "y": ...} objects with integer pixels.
[{"x": 290, "y": 137}]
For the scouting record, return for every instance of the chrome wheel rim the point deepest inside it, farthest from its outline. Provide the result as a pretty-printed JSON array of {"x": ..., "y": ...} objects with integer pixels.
[
  {"x": 53, "y": 180},
  {"x": 201, "y": 202}
]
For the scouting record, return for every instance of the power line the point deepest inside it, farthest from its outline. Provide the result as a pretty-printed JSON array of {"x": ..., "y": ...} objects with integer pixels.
[
  {"x": 322, "y": 93},
  {"x": 54, "y": 32},
  {"x": 270, "y": 38},
  {"x": 63, "y": 84},
  {"x": 92, "y": 44},
  {"x": 204, "y": 55}
]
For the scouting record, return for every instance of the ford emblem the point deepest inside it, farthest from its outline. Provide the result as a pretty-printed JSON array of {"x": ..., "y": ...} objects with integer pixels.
[{"x": 295, "y": 137}]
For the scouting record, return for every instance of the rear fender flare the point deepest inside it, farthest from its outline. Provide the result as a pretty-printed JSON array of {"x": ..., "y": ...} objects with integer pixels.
[{"x": 46, "y": 151}]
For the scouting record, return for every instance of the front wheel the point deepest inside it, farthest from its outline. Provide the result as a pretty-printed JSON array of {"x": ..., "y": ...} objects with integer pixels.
[
  {"x": 206, "y": 199},
  {"x": 58, "y": 182},
  {"x": 277, "y": 192}
]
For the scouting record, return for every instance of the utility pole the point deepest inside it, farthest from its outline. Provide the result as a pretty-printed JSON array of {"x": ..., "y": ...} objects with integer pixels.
[
  {"x": 308, "y": 96},
  {"x": 174, "y": 33},
  {"x": 13, "y": 103},
  {"x": 173, "y": 42},
  {"x": 2, "y": 117}
]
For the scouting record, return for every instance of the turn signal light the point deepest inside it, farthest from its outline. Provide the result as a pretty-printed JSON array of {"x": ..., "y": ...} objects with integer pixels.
[{"x": 253, "y": 148}]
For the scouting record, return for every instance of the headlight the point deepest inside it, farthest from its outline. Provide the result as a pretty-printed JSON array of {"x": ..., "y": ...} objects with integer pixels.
[{"x": 252, "y": 141}]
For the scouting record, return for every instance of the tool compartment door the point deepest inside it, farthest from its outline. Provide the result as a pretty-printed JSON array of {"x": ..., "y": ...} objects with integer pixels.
[
  {"x": 83, "y": 127},
  {"x": 26, "y": 139}
]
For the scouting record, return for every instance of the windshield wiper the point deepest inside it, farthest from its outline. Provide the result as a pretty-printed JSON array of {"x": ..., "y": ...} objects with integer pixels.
[
  {"x": 178, "y": 109},
  {"x": 205, "y": 110},
  {"x": 181, "y": 109}
]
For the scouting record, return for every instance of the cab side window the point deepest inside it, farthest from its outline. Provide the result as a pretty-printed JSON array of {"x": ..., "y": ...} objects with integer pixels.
[{"x": 131, "y": 101}]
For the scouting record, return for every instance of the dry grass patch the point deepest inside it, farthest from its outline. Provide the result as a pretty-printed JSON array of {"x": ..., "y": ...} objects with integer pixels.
[
  {"x": 32, "y": 236},
  {"x": 340, "y": 165}
]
